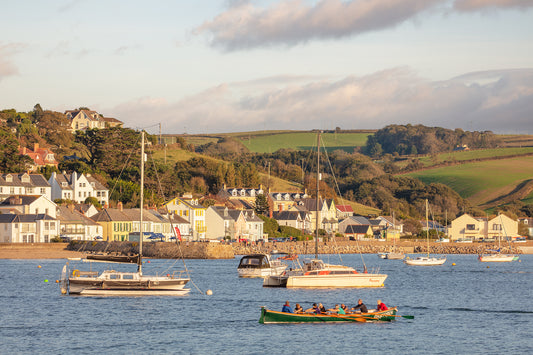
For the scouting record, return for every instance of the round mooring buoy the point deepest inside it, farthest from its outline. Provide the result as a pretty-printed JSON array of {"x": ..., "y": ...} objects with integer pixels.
[
  {"x": 453, "y": 264},
  {"x": 45, "y": 280},
  {"x": 38, "y": 266},
  {"x": 209, "y": 292}
]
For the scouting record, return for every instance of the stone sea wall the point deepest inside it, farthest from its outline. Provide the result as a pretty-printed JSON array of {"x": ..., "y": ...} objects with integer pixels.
[{"x": 204, "y": 250}]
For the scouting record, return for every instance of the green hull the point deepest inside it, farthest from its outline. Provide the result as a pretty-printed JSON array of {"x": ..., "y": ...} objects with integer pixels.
[{"x": 270, "y": 317}]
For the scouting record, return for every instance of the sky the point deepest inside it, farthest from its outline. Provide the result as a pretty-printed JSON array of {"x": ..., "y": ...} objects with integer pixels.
[{"x": 210, "y": 66}]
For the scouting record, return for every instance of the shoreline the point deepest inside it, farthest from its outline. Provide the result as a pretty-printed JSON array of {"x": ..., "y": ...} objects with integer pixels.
[{"x": 60, "y": 251}]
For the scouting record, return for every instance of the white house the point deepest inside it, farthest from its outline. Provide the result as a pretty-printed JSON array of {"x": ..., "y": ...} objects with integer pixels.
[
  {"x": 468, "y": 227},
  {"x": 77, "y": 187},
  {"x": 28, "y": 205},
  {"x": 27, "y": 228},
  {"x": 76, "y": 226},
  {"x": 24, "y": 184}
]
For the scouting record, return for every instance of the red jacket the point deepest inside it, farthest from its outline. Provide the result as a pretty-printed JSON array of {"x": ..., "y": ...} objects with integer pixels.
[{"x": 382, "y": 307}]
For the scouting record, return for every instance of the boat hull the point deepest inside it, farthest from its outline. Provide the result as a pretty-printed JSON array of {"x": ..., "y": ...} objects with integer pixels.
[
  {"x": 500, "y": 258},
  {"x": 115, "y": 283},
  {"x": 394, "y": 256},
  {"x": 261, "y": 272},
  {"x": 326, "y": 281},
  {"x": 425, "y": 261},
  {"x": 273, "y": 317}
]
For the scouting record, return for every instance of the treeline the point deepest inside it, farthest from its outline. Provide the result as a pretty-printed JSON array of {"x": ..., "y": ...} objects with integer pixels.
[{"x": 419, "y": 139}]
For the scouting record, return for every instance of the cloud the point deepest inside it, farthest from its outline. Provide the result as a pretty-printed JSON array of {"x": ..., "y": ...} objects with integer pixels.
[
  {"x": 474, "y": 5},
  {"x": 7, "y": 68},
  {"x": 292, "y": 22},
  {"x": 492, "y": 100}
]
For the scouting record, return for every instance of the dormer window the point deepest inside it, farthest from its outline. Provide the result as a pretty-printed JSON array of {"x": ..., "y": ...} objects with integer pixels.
[
  {"x": 25, "y": 178},
  {"x": 243, "y": 192},
  {"x": 9, "y": 178},
  {"x": 64, "y": 184},
  {"x": 93, "y": 184},
  {"x": 252, "y": 193},
  {"x": 233, "y": 192}
]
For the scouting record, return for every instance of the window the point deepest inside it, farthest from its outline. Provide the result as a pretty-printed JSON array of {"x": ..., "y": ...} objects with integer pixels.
[
  {"x": 43, "y": 190},
  {"x": 470, "y": 227},
  {"x": 497, "y": 227},
  {"x": 52, "y": 225},
  {"x": 46, "y": 226},
  {"x": 46, "y": 239}
]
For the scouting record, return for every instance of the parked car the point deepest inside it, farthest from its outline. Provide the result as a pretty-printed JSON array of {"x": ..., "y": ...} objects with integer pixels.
[{"x": 443, "y": 240}]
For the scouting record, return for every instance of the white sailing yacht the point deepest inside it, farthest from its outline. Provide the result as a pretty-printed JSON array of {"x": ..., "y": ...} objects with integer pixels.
[
  {"x": 118, "y": 283},
  {"x": 426, "y": 260},
  {"x": 315, "y": 273},
  {"x": 497, "y": 255}
]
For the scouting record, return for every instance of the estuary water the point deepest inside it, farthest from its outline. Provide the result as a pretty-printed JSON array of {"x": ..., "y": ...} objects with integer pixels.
[{"x": 469, "y": 308}]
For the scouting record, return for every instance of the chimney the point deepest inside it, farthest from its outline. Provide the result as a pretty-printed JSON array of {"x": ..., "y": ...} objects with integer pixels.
[
  {"x": 24, "y": 150},
  {"x": 35, "y": 147},
  {"x": 119, "y": 205},
  {"x": 71, "y": 207}
]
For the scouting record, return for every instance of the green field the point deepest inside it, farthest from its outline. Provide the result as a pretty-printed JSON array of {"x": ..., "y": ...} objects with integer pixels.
[
  {"x": 303, "y": 141},
  {"x": 471, "y": 155},
  {"x": 481, "y": 182}
]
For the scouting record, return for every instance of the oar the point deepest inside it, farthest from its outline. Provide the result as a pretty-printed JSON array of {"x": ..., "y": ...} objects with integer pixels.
[{"x": 406, "y": 317}]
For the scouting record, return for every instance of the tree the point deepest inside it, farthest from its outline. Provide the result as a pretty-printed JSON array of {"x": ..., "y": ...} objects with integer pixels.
[
  {"x": 93, "y": 201},
  {"x": 261, "y": 205}
]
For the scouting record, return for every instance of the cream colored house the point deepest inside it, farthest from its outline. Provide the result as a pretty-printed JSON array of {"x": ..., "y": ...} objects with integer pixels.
[{"x": 468, "y": 227}]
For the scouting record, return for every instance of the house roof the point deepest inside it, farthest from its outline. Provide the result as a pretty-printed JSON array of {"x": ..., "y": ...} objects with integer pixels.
[
  {"x": 357, "y": 220},
  {"x": 65, "y": 214},
  {"x": 344, "y": 208},
  {"x": 109, "y": 215},
  {"x": 357, "y": 229},
  {"x": 24, "y": 218},
  {"x": 24, "y": 179},
  {"x": 20, "y": 200},
  {"x": 286, "y": 215}
]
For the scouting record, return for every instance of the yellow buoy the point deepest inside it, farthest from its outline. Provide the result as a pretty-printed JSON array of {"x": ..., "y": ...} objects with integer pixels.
[
  {"x": 453, "y": 264},
  {"x": 487, "y": 266},
  {"x": 57, "y": 281},
  {"x": 38, "y": 266},
  {"x": 209, "y": 292},
  {"x": 45, "y": 280}
]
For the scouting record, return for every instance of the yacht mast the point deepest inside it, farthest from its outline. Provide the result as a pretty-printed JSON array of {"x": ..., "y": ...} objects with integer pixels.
[
  {"x": 317, "y": 191},
  {"x": 142, "y": 203},
  {"x": 427, "y": 225}
]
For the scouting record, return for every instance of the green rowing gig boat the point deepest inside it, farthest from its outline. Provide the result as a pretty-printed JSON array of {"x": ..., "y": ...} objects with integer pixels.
[{"x": 270, "y": 317}]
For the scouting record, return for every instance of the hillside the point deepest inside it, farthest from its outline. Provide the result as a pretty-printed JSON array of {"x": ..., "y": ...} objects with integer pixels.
[{"x": 485, "y": 183}]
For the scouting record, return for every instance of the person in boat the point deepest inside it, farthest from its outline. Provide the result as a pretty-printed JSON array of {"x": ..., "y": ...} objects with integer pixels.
[
  {"x": 361, "y": 307},
  {"x": 382, "y": 306},
  {"x": 287, "y": 308},
  {"x": 337, "y": 310},
  {"x": 344, "y": 308},
  {"x": 313, "y": 309},
  {"x": 321, "y": 308},
  {"x": 298, "y": 308}
]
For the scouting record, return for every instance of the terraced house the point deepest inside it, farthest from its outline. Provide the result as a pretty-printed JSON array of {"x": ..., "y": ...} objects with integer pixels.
[
  {"x": 188, "y": 208},
  {"x": 24, "y": 184},
  {"x": 77, "y": 187}
]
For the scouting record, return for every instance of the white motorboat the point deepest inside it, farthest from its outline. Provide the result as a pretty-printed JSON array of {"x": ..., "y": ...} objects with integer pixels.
[
  {"x": 260, "y": 265},
  {"x": 118, "y": 283}
]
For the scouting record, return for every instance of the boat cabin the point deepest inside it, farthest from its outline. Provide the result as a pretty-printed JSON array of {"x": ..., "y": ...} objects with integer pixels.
[{"x": 254, "y": 261}]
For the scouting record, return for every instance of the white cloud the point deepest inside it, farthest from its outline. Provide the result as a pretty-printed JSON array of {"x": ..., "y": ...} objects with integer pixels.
[
  {"x": 494, "y": 100},
  {"x": 293, "y": 21}
]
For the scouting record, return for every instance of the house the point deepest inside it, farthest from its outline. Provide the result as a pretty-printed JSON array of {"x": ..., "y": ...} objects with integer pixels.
[
  {"x": 76, "y": 226},
  {"x": 528, "y": 222},
  {"x": 87, "y": 119},
  {"x": 327, "y": 213},
  {"x": 254, "y": 226},
  {"x": 28, "y": 228},
  {"x": 87, "y": 209},
  {"x": 24, "y": 184},
  {"x": 353, "y": 220},
  {"x": 77, "y": 187},
  {"x": 153, "y": 222},
  {"x": 36, "y": 204},
  {"x": 359, "y": 231},
  {"x": 188, "y": 208},
  {"x": 480, "y": 228},
  {"x": 344, "y": 211},
  {"x": 116, "y": 225},
  {"x": 182, "y": 227},
  {"x": 297, "y": 219},
  {"x": 392, "y": 227},
  {"x": 41, "y": 157},
  {"x": 284, "y": 201}
]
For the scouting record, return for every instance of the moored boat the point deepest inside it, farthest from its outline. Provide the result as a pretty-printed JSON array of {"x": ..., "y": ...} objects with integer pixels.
[
  {"x": 260, "y": 265},
  {"x": 119, "y": 283},
  {"x": 272, "y": 317}
]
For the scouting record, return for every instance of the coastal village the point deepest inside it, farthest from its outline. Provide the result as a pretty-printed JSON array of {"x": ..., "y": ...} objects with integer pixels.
[{"x": 34, "y": 209}]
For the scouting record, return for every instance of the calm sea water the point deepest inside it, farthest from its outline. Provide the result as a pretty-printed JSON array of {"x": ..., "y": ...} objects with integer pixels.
[{"x": 469, "y": 308}]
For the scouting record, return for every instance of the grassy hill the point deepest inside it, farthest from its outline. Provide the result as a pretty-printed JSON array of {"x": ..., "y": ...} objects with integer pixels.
[
  {"x": 271, "y": 141},
  {"x": 484, "y": 182}
]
